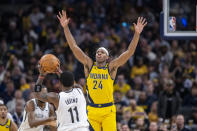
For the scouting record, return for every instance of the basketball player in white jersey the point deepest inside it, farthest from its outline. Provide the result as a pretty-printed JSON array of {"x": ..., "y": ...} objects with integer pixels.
[
  {"x": 70, "y": 103},
  {"x": 36, "y": 115}
]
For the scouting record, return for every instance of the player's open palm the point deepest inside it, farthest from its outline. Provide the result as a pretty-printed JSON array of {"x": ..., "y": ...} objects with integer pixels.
[
  {"x": 141, "y": 23},
  {"x": 63, "y": 18}
]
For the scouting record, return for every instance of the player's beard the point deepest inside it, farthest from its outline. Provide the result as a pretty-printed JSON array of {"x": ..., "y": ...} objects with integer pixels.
[{"x": 41, "y": 102}]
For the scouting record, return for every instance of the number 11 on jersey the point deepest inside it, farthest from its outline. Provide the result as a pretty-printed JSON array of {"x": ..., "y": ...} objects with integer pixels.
[{"x": 71, "y": 114}]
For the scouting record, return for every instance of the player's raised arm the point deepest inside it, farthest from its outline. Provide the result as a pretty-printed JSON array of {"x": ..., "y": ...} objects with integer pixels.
[
  {"x": 79, "y": 54},
  {"x": 41, "y": 94},
  {"x": 122, "y": 59}
]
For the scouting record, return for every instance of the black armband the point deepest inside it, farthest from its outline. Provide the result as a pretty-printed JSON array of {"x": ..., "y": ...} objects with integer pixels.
[{"x": 38, "y": 88}]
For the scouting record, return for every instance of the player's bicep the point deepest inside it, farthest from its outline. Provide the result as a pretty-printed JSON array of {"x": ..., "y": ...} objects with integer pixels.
[
  {"x": 30, "y": 112},
  {"x": 52, "y": 110},
  {"x": 81, "y": 56},
  {"x": 121, "y": 60},
  {"x": 48, "y": 97}
]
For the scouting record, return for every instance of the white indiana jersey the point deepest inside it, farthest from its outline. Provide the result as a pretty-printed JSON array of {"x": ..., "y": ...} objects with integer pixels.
[
  {"x": 71, "y": 112},
  {"x": 39, "y": 115}
]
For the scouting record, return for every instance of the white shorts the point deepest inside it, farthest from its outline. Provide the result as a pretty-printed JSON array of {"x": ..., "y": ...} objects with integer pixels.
[
  {"x": 76, "y": 129},
  {"x": 81, "y": 129}
]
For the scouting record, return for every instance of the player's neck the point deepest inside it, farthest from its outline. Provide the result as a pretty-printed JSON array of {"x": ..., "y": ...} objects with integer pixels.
[
  {"x": 67, "y": 88},
  {"x": 102, "y": 64},
  {"x": 40, "y": 104},
  {"x": 3, "y": 121}
]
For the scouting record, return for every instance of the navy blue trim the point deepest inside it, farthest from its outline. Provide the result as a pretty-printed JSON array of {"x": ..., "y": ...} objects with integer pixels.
[
  {"x": 101, "y": 105},
  {"x": 90, "y": 71},
  {"x": 108, "y": 72},
  {"x": 88, "y": 95},
  {"x": 90, "y": 127},
  {"x": 104, "y": 68},
  {"x": 91, "y": 68},
  {"x": 5, "y": 123}
]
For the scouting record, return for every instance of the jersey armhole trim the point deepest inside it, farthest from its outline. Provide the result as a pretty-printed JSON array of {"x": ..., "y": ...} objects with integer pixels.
[
  {"x": 109, "y": 73},
  {"x": 78, "y": 91},
  {"x": 90, "y": 70}
]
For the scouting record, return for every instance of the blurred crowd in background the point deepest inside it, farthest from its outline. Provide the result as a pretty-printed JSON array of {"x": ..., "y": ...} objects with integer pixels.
[{"x": 155, "y": 90}]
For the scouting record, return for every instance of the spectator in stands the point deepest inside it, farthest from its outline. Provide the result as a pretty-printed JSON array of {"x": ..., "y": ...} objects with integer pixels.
[
  {"x": 169, "y": 101},
  {"x": 23, "y": 84},
  {"x": 152, "y": 115},
  {"x": 126, "y": 116},
  {"x": 124, "y": 127},
  {"x": 121, "y": 85},
  {"x": 153, "y": 126},
  {"x": 138, "y": 84},
  {"x": 18, "y": 114},
  {"x": 143, "y": 101},
  {"x": 151, "y": 96},
  {"x": 191, "y": 99},
  {"x": 136, "y": 111},
  {"x": 16, "y": 75},
  {"x": 139, "y": 69},
  {"x": 8, "y": 94},
  {"x": 192, "y": 120},
  {"x": 129, "y": 95},
  {"x": 180, "y": 123},
  {"x": 12, "y": 103},
  {"x": 140, "y": 124},
  {"x": 119, "y": 104}
]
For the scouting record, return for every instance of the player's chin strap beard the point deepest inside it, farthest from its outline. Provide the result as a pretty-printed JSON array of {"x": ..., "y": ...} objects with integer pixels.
[{"x": 41, "y": 101}]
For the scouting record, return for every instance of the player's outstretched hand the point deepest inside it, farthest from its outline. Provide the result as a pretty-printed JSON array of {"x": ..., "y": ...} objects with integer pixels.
[
  {"x": 41, "y": 71},
  {"x": 141, "y": 23},
  {"x": 63, "y": 18}
]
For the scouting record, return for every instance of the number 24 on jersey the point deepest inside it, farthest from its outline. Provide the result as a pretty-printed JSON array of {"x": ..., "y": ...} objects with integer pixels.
[{"x": 97, "y": 83}]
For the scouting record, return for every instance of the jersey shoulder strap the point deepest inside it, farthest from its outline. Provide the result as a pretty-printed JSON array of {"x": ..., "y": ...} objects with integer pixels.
[{"x": 35, "y": 103}]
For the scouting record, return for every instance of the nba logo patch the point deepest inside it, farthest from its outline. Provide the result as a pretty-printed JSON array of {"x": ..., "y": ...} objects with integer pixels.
[
  {"x": 7, "y": 126},
  {"x": 172, "y": 24}
]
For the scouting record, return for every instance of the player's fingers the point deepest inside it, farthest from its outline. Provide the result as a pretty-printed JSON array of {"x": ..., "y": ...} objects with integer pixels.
[
  {"x": 58, "y": 17},
  {"x": 68, "y": 19},
  {"x": 65, "y": 13},
  {"x": 145, "y": 24},
  {"x": 60, "y": 14},
  {"x": 134, "y": 25},
  {"x": 143, "y": 21},
  {"x": 138, "y": 20}
]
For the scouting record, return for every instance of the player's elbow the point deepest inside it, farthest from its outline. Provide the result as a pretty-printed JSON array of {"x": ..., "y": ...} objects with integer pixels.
[{"x": 32, "y": 124}]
